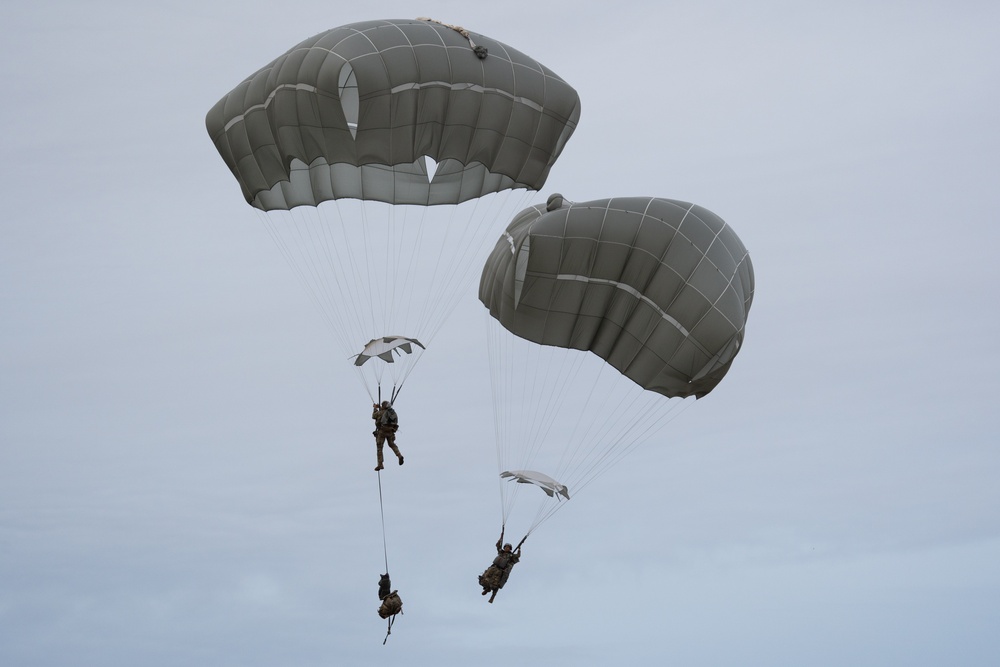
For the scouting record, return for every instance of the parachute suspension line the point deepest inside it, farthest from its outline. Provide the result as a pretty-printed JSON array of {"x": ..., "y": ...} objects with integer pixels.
[
  {"x": 656, "y": 412},
  {"x": 597, "y": 438},
  {"x": 316, "y": 238},
  {"x": 373, "y": 295},
  {"x": 355, "y": 220},
  {"x": 324, "y": 237},
  {"x": 616, "y": 449},
  {"x": 605, "y": 449},
  {"x": 529, "y": 396},
  {"x": 498, "y": 414},
  {"x": 576, "y": 469},
  {"x": 402, "y": 255},
  {"x": 389, "y": 269},
  {"x": 586, "y": 430},
  {"x": 506, "y": 412},
  {"x": 410, "y": 255},
  {"x": 544, "y": 513},
  {"x": 525, "y": 407},
  {"x": 438, "y": 295},
  {"x": 490, "y": 216},
  {"x": 308, "y": 238},
  {"x": 302, "y": 232},
  {"x": 566, "y": 379},
  {"x": 289, "y": 231},
  {"x": 458, "y": 250},
  {"x": 365, "y": 265},
  {"x": 393, "y": 394},
  {"x": 335, "y": 259},
  {"x": 532, "y": 386},
  {"x": 351, "y": 288},
  {"x": 395, "y": 273},
  {"x": 676, "y": 408},
  {"x": 361, "y": 376},
  {"x": 460, "y": 229},
  {"x": 568, "y": 368},
  {"x": 399, "y": 379},
  {"x": 400, "y": 272},
  {"x": 281, "y": 241},
  {"x": 548, "y": 390},
  {"x": 367, "y": 240}
]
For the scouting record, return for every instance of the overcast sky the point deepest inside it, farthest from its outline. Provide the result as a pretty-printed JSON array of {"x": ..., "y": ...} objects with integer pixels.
[{"x": 186, "y": 466}]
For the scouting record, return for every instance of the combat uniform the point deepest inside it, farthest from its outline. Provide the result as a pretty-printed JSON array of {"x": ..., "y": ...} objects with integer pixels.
[
  {"x": 385, "y": 431},
  {"x": 495, "y": 576}
]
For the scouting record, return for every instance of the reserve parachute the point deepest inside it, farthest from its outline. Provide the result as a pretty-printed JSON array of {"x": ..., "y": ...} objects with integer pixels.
[
  {"x": 381, "y": 156},
  {"x": 603, "y": 317}
]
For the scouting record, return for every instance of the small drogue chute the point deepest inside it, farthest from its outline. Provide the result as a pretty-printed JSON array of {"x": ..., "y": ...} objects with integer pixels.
[
  {"x": 386, "y": 347},
  {"x": 551, "y": 487}
]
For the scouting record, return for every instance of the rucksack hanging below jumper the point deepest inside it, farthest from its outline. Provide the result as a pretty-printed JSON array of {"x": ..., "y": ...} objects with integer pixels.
[{"x": 391, "y": 605}]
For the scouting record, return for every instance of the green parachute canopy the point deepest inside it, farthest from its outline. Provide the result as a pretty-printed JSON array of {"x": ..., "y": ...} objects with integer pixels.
[
  {"x": 399, "y": 111},
  {"x": 658, "y": 288}
]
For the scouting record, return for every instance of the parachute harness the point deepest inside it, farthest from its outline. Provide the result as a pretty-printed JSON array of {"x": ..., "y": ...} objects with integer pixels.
[{"x": 480, "y": 51}]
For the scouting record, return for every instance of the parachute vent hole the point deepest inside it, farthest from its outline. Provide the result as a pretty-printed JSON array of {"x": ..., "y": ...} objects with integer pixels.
[
  {"x": 431, "y": 165},
  {"x": 349, "y": 102}
]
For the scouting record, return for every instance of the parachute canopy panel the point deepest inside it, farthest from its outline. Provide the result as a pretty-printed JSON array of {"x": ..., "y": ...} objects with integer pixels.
[
  {"x": 658, "y": 288},
  {"x": 355, "y": 112},
  {"x": 551, "y": 487},
  {"x": 384, "y": 348}
]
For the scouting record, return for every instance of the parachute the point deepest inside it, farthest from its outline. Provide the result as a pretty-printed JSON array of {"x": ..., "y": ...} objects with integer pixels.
[
  {"x": 384, "y": 348},
  {"x": 379, "y": 155},
  {"x": 637, "y": 300},
  {"x": 551, "y": 487}
]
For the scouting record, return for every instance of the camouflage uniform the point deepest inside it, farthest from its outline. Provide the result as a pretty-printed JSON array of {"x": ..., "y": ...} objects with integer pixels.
[
  {"x": 384, "y": 585},
  {"x": 495, "y": 576},
  {"x": 392, "y": 604},
  {"x": 384, "y": 432}
]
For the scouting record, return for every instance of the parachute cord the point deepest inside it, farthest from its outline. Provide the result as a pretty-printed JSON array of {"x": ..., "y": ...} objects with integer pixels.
[
  {"x": 371, "y": 396},
  {"x": 385, "y": 552},
  {"x": 392, "y": 619},
  {"x": 381, "y": 508}
]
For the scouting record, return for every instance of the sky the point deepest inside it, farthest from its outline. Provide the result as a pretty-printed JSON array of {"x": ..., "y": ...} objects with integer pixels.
[{"x": 186, "y": 467}]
